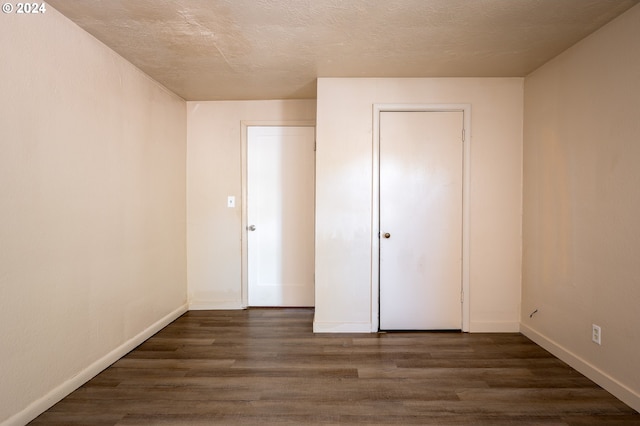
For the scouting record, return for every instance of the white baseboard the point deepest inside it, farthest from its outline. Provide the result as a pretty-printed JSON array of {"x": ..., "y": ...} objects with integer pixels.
[
  {"x": 365, "y": 327},
  {"x": 615, "y": 387},
  {"x": 41, "y": 405},
  {"x": 494, "y": 327},
  {"x": 220, "y": 305},
  {"x": 341, "y": 327}
]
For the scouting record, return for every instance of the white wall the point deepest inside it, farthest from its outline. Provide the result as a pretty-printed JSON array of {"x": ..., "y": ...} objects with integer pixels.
[
  {"x": 92, "y": 210},
  {"x": 344, "y": 195},
  {"x": 214, "y": 172},
  {"x": 582, "y": 204}
]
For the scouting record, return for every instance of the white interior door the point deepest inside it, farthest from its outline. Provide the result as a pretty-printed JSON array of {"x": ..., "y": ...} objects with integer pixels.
[
  {"x": 421, "y": 172},
  {"x": 280, "y": 215}
]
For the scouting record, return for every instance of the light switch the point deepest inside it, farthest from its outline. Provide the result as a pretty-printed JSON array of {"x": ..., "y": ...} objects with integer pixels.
[{"x": 231, "y": 201}]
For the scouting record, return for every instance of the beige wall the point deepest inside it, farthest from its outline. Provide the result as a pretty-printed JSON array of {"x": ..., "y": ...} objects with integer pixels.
[
  {"x": 92, "y": 209},
  {"x": 582, "y": 204},
  {"x": 344, "y": 195},
  {"x": 214, "y": 159}
]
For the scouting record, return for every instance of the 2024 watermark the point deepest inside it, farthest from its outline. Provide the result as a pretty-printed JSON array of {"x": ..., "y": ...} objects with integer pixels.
[{"x": 24, "y": 8}]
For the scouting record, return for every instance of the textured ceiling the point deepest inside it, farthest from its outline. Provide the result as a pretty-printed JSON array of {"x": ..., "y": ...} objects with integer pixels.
[{"x": 275, "y": 49}]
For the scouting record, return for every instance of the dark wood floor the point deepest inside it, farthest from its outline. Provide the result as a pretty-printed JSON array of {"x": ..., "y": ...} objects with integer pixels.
[{"x": 265, "y": 366}]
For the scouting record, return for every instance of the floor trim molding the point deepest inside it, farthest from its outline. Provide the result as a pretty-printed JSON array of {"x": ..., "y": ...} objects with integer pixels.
[
  {"x": 615, "y": 387},
  {"x": 223, "y": 305},
  {"x": 341, "y": 327},
  {"x": 494, "y": 327},
  {"x": 42, "y": 404}
]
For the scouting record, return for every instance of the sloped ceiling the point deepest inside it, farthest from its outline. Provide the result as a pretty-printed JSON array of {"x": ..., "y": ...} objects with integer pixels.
[{"x": 275, "y": 49}]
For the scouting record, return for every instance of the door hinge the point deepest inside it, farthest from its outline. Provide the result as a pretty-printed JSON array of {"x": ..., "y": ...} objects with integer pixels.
[
  {"x": 463, "y": 134},
  {"x": 315, "y": 146},
  {"x": 462, "y": 297}
]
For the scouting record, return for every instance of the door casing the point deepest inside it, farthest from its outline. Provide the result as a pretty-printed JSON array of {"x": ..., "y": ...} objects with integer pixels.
[
  {"x": 375, "y": 211},
  {"x": 244, "y": 144}
]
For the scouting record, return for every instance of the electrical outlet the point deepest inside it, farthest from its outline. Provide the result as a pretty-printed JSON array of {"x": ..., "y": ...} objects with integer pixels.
[{"x": 596, "y": 334}]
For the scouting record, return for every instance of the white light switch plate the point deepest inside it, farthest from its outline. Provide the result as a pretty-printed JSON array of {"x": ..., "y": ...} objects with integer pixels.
[{"x": 231, "y": 201}]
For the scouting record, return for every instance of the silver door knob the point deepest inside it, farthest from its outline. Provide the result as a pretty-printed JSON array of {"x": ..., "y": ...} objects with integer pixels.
[
  {"x": 251, "y": 227},
  {"x": 387, "y": 235}
]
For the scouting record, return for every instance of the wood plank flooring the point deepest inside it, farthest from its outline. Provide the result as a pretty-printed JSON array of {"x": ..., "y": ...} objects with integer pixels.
[{"x": 265, "y": 366}]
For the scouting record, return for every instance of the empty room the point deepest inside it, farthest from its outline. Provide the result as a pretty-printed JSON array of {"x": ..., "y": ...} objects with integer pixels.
[{"x": 319, "y": 212}]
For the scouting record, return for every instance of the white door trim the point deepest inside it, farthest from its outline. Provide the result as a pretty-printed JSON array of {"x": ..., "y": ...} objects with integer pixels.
[
  {"x": 375, "y": 207},
  {"x": 243, "y": 148}
]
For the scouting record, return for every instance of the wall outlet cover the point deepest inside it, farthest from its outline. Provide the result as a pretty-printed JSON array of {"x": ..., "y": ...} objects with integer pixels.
[{"x": 596, "y": 334}]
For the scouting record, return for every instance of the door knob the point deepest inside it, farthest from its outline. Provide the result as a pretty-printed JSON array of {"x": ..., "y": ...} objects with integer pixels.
[
  {"x": 387, "y": 235},
  {"x": 251, "y": 227}
]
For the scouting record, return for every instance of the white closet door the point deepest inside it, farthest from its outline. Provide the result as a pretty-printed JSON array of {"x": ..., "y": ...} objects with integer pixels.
[{"x": 421, "y": 172}]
